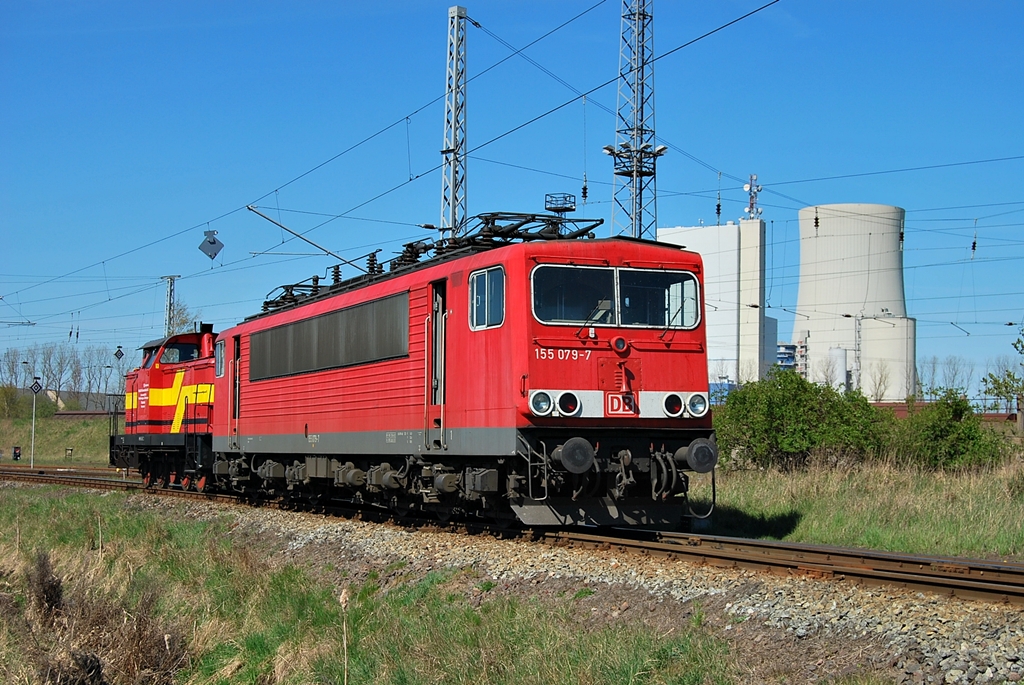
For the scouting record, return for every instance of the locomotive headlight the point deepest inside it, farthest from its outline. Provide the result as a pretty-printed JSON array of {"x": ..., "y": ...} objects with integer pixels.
[
  {"x": 698, "y": 404},
  {"x": 673, "y": 405},
  {"x": 569, "y": 404},
  {"x": 540, "y": 403}
]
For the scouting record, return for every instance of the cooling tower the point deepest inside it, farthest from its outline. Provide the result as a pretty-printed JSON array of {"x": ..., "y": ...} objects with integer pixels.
[{"x": 851, "y": 297}]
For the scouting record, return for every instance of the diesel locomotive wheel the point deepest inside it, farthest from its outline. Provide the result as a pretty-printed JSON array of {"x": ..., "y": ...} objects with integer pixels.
[{"x": 147, "y": 480}]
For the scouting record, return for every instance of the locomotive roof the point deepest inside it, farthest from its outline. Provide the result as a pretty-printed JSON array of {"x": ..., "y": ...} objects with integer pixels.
[
  {"x": 203, "y": 328},
  {"x": 494, "y": 231}
]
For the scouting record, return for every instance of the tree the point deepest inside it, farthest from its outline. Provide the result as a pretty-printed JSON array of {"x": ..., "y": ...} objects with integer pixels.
[
  {"x": 1018, "y": 345},
  {"x": 57, "y": 361},
  {"x": 929, "y": 375},
  {"x": 955, "y": 373},
  {"x": 1004, "y": 385},
  {"x": 183, "y": 319},
  {"x": 828, "y": 374},
  {"x": 10, "y": 367},
  {"x": 879, "y": 381}
]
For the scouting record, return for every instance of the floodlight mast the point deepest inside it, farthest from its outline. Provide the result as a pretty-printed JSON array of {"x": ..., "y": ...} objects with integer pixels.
[
  {"x": 453, "y": 181},
  {"x": 635, "y": 208}
]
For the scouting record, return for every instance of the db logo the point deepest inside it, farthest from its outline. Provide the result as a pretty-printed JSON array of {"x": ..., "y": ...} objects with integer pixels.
[{"x": 616, "y": 404}]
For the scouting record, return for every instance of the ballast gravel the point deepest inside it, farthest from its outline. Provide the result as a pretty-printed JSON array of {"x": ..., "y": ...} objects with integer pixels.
[{"x": 780, "y": 629}]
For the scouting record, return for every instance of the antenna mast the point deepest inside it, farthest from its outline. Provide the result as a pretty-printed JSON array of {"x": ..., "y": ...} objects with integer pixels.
[
  {"x": 453, "y": 182},
  {"x": 635, "y": 208}
]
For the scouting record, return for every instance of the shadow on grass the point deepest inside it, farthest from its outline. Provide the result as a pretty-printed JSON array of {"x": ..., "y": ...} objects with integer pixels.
[{"x": 733, "y": 522}]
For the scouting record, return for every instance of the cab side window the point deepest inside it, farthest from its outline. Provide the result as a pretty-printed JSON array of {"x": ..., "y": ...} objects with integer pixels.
[
  {"x": 218, "y": 355},
  {"x": 487, "y": 298}
]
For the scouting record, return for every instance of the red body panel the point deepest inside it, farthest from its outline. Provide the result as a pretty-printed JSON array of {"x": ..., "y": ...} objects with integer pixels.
[{"x": 489, "y": 372}]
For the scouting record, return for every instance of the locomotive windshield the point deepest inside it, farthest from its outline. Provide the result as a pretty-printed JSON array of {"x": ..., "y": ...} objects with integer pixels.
[{"x": 586, "y": 296}]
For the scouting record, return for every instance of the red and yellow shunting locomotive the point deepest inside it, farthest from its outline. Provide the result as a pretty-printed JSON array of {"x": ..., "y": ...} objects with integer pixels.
[
  {"x": 523, "y": 371},
  {"x": 168, "y": 410}
]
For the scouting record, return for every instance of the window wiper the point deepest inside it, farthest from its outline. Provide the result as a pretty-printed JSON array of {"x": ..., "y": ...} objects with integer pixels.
[
  {"x": 602, "y": 308},
  {"x": 668, "y": 324}
]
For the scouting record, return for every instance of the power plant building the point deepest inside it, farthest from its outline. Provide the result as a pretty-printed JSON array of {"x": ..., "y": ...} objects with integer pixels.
[
  {"x": 742, "y": 341},
  {"x": 851, "y": 315}
]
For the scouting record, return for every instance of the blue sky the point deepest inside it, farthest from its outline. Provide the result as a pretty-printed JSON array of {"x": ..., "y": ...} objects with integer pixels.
[{"x": 126, "y": 127}]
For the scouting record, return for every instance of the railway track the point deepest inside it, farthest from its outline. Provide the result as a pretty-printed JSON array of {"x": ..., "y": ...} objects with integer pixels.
[{"x": 992, "y": 581}]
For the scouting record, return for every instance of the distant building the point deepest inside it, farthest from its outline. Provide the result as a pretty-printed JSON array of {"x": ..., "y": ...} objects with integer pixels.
[
  {"x": 785, "y": 356},
  {"x": 851, "y": 326},
  {"x": 742, "y": 341}
]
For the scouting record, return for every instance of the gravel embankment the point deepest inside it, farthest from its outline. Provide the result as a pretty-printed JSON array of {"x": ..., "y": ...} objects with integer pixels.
[{"x": 785, "y": 628}]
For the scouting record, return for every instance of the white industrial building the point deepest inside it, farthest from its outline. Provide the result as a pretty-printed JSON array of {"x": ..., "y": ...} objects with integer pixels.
[
  {"x": 851, "y": 328},
  {"x": 851, "y": 316},
  {"x": 742, "y": 341}
]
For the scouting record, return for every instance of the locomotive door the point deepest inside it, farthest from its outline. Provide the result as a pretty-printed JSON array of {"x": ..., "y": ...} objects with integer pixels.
[
  {"x": 235, "y": 380},
  {"x": 436, "y": 325}
]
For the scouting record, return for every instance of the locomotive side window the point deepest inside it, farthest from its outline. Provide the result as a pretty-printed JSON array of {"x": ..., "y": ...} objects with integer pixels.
[
  {"x": 574, "y": 295},
  {"x": 218, "y": 357},
  {"x": 487, "y": 298},
  {"x": 663, "y": 299},
  {"x": 362, "y": 334}
]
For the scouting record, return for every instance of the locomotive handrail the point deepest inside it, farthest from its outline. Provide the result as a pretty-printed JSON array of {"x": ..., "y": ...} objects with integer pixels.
[
  {"x": 442, "y": 376},
  {"x": 426, "y": 383}
]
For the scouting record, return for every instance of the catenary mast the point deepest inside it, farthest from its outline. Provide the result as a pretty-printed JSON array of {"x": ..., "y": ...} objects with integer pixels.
[{"x": 453, "y": 183}]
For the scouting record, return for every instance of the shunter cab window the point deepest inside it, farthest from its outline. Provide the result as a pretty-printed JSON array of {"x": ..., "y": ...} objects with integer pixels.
[
  {"x": 487, "y": 298},
  {"x": 588, "y": 296},
  {"x": 148, "y": 357},
  {"x": 179, "y": 352}
]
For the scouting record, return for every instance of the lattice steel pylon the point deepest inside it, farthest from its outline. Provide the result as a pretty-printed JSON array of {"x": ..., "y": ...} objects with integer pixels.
[
  {"x": 169, "y": 305},
  {"x": 453, "y": 182},
  {"x": 634, "y": 153}
]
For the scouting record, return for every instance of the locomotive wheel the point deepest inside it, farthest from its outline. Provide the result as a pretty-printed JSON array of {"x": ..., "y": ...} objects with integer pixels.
[
  {"x": 201, "y": 484},
  {"x": 186, "y": 482},
  {"x": 147, "y": 480}
]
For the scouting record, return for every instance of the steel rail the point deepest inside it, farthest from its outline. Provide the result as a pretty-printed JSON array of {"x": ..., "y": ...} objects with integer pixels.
[
  {"x": 953, "y": 576},
  {"x": 1000, "y": 581}
]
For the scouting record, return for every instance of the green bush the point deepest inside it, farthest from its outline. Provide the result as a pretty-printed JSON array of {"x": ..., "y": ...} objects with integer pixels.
[
  {"x": 783, "y": 420},
  {"x": 946, "y": 433}
]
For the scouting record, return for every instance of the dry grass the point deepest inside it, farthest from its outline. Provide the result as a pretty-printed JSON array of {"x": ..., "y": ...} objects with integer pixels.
[
  {"x": 977, "y": 512},
  {"x": 80, "y": 624}
]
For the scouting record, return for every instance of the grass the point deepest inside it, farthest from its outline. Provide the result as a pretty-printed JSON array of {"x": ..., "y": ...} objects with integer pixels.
[
  {"x": 152, "y": 598},
  {"x": 975, "y": 513},
  {"x": 87, "y": 437}
]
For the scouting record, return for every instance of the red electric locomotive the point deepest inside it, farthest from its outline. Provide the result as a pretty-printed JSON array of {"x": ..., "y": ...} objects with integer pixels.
[{"x": 524, "y": 371}]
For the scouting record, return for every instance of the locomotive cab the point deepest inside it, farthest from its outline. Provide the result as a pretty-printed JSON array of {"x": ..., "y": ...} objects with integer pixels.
[{"x": 614, "y": 398}]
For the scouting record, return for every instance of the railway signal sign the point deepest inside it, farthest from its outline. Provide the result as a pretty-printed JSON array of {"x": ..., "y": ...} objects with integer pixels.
[
  {"x": 211, "y": 245},
  {"x": 35, "y": 387},
  {"x": 119, "y": 354}
]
